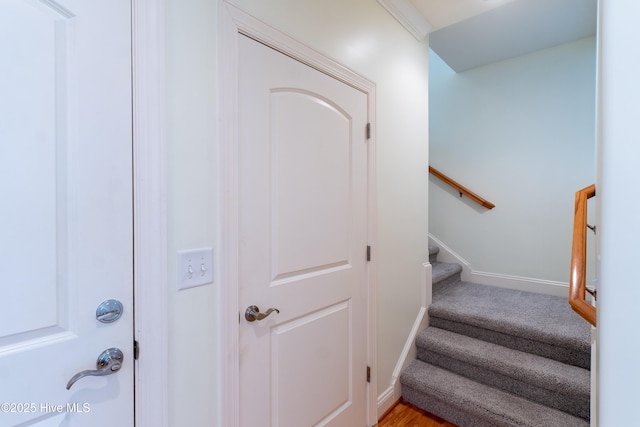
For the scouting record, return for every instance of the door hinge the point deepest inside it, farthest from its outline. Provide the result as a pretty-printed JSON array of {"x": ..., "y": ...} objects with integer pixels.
[
  {"x": 136, "y": 350},
  {"x": 368, "y": 374},
  {"x": 368, "y": 130},
  {"x": 368, "y": 253}
]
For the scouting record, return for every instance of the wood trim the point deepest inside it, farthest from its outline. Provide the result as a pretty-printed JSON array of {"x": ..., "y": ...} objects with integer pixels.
[
  {"x": 577, "y": 283},
  {"x": 372, "y": 266},
  {"x": 408, "y": 16},
  {"x": 229, "y": 227},
  {"x": 150, "y": 217},
  {"x": 461, "y": 188}
]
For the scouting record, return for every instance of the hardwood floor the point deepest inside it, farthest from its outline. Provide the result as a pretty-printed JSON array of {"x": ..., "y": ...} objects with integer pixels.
[{"x": 404, "y": 414}]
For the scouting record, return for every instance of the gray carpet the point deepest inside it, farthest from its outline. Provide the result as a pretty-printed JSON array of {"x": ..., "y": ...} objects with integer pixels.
[
  {"x": 536, "y": 323},
  {"x": 536, "y": 378},
  {"x": 467, "y": 403},
  {"x": 499, "y": 357}
]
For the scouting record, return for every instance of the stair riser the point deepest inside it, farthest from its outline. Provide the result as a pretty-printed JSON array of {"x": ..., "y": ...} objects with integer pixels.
[
  {"x": 564, "y": 355},
  {"x": 446, "y": 281},
  {"x": 433, "y": 253},
  {"x": 469, "y": 403},
  {"x": 575, "y": 405}
]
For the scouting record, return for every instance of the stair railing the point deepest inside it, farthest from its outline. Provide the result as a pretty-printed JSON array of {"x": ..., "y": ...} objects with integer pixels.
[
  {"x": 461, "y": 188},
  {"x": 577, "y": 284}
]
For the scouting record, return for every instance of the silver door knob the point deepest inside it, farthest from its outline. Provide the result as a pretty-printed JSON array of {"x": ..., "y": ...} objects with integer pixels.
[
  {"x": 253, "y": 313},
  {"x": 109, "y": 362}
]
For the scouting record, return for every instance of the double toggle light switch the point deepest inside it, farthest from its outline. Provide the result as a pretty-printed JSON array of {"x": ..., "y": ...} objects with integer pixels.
[{"x": 195, "y": 268}]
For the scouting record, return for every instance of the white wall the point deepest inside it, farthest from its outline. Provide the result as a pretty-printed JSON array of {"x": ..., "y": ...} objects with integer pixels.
[
  {"x": 192, "y": 220},
  {"x": 360, "y": 35},
  {"x": 364, "y": 37},
  {"x": 192, "y": 211},
  {"x": 619, "y": 291},
  {"x": 520, "y": 133}
]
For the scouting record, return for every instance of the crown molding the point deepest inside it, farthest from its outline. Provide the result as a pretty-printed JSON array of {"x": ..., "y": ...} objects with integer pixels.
[{"x": 408, "y": 16}]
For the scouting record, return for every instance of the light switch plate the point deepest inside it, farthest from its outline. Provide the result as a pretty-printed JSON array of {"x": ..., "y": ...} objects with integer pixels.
[{"x": 195, "y": 268}]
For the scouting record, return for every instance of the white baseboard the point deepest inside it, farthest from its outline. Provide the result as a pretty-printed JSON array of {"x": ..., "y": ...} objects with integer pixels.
[
  {"x": 386, "y": 400},
  {"x": 393, "y": 392},
  {"x": 408, "y": 354},
  {"x": 541, "y": 286}
]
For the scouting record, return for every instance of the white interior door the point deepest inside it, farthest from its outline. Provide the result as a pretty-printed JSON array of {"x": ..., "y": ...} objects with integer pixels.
[
  {"x": 66, "y": 210},
  {"x": 303, "y": 238}
]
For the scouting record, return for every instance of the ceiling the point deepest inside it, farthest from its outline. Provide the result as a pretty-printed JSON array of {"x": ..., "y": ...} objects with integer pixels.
[
  {"x": 471, "y": 33},
  {"x": 442, "y": 13}
]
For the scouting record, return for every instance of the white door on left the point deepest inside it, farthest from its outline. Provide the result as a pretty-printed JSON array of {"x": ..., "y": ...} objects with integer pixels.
[{"x": 66, "y": 232}]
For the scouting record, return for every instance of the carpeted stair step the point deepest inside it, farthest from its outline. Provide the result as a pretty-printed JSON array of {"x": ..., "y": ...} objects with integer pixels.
[
  {"x": 433, "y": 253},
  {"x": 471, "y": 404},
  {"x": 442, "y": 273},
  {"x": 536, "y": 378},
  {"x": 534, "y": 323}
]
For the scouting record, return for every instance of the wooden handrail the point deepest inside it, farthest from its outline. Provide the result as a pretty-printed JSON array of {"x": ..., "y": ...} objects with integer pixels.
[
  {"x": 577, "y": 284},
  {"x": 461, "y": 188}
]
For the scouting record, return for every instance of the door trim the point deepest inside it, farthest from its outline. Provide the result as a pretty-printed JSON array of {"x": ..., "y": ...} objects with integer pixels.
[
  {"x": 150, "y": 217},
  {"x": 232, "y": 23}
]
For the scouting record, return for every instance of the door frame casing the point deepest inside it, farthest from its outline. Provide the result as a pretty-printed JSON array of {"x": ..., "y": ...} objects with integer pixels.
[
  {"x": 232, "y": 23},
  {"x": 149, "y": 214}
]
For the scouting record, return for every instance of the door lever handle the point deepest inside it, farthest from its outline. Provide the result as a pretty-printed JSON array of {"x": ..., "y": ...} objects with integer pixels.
[
  {"x": 109, "y": 362},
  {"x": 253, "y": 313}
]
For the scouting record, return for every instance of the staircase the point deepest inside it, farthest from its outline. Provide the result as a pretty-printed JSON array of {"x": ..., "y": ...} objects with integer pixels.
[{"x": 499, "y": 357}]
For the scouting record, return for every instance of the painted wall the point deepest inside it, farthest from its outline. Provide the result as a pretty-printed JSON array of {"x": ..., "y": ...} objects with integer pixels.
[
  {"x": 191, "y": 69},
  {"x": 520, "y": 133},
  {"x": 618, "y": 291},
  {"x": 192, "y": 148},
  {"x": 362, "y": 36}
]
